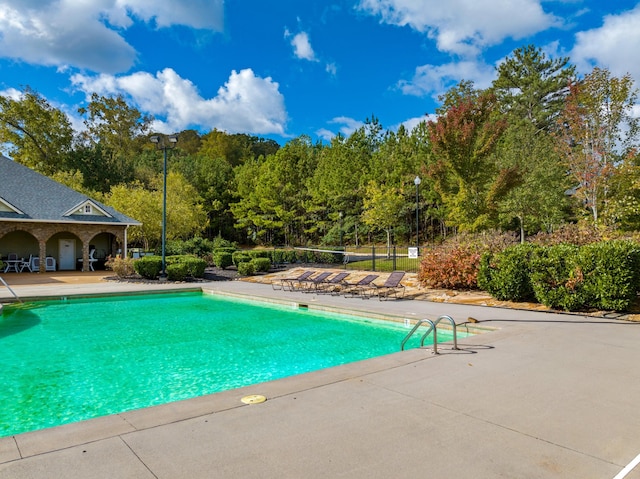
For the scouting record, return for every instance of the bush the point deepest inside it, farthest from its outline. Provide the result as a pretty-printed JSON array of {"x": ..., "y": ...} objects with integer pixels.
[
  {"x": 177, "y": 271},
  {"x": 240, "y": 257},
  {"x": 611, "y": 272},
  {"x": 557, "y": 279},
  {"x": 148, "y": 267},
  {"x": 195, "y": 267},
  {"x": 246, "y": 268},
  {"x": 222, "y": 259},
  {"x": 262, "y": 265},
  {"x": 453, "y": 268},
  {"x": 506, "y": 275},
  {"x": 281, "y": 256},
  {"x": 122, "y": 267},
  {"x": 259, "y": 253}
]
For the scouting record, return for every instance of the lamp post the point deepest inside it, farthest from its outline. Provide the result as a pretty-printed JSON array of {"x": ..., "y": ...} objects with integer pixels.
[
  {"x": 417, "y": 182},
  {"x": 340, "y": 217},
  {"x": 164, "y": 143}
]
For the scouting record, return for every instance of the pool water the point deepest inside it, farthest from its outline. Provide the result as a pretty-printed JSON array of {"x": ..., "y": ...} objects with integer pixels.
[{"x": 65, "y": 361}]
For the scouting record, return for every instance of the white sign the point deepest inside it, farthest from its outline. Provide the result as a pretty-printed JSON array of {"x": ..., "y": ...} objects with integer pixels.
[{"x": 413, "y": 253}]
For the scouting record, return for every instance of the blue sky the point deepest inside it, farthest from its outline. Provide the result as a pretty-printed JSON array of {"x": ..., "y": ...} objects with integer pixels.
[{"x": 283, "y": 68}]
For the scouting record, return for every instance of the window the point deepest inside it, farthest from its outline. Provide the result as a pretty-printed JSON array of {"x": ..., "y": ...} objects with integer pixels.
[{"x": 87, "y": 209}]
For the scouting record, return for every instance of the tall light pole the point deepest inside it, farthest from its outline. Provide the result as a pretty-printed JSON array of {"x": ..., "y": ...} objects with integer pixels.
[
  {"x": 164, "y": 143},
  {"x": 417, "y": 182}
]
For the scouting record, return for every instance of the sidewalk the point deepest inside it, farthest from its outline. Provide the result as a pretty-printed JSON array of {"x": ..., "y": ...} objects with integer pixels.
[{"x": 540, "y": 395}]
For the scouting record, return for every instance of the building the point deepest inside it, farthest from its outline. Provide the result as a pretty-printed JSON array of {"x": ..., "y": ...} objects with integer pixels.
[{"x": 41, "y": 218}]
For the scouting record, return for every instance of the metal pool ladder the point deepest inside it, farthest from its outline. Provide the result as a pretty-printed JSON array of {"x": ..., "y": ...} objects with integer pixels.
[
  {"x": 9, "y": 288},
  {"x": 432, "y": 327}
]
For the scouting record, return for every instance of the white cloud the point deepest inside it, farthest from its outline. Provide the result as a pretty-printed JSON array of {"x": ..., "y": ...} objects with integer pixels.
[
  {"x": 348, "y": 126},
  {"x": 302, "y": 48},
  {"x": 464, "y": 27},
  {"x": 613, "y": 46},
  {"x": 411, "y": 123},
  {"x": 435, "y": 80},
  {"x": 87, "y": 34},
  {"x": 245, "y": 103}
]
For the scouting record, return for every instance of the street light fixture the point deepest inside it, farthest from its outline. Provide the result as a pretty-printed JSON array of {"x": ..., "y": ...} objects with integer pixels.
[
  {"x": 417, "y": 182},
  {"x": 164, "y": 143}
]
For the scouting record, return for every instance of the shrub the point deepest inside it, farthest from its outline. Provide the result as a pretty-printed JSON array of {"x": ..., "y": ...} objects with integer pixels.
[
  {"x": 195, "y": 267},
  {"x": 122, "y": 267},
  {"x": 574, "y": 234},
  {"x": 259, "y": 253},
  {"x": 506, "y": 275},
  {"x": 611, "y": 273},
  {"x": 453, "y": 268},
  {"x": 246, "y": 268},
  {"x": 240, "y": 257},
  {"x": 557, "y": 279},
  {"x": 177, "y": 271},
  {"x": 222, "y": 259},
  {"x": 262, "y": 264},
  {"x": 148, "y": 267},
  {"x": 281, "y": 256}
]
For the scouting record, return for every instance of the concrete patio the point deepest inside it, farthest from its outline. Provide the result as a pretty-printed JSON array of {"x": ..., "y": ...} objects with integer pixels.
[{"x": 537, "y": 395}]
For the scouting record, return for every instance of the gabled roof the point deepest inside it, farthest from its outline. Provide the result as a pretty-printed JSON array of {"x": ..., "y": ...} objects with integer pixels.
[{"x": 26, "y": 195}]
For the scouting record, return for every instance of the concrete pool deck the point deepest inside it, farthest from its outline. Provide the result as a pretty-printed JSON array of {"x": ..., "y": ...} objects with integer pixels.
[{"x": 540, "y": 395}]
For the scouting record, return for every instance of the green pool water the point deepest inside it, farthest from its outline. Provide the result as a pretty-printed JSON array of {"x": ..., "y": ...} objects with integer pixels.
[{"x": 64, "y": 361}]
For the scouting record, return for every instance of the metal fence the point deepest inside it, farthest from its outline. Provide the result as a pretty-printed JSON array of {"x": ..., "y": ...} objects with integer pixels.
[{"x": 370, "y": 258}]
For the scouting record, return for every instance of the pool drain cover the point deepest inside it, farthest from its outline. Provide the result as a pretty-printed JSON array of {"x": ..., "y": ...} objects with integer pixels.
[{"x": 253, "y": 399}]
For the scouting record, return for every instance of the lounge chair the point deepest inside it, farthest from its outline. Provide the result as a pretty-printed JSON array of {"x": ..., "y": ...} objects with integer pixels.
[
  {"x": 12, "y": 263},
  {"x": 311, "y": 284},
  {"x": 331, "y": 284},
  {"x": 287, "y": 284},
  {"x": 360, "y": 288},
  {"x": 391, "y": 287}
]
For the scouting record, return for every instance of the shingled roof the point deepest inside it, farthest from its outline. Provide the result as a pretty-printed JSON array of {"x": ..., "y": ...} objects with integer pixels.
[{"x": 26, "y": 195}]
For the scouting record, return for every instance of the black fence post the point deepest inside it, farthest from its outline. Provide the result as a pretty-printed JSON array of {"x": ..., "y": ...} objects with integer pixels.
[
  {"x": 373, "y": 257},
  {"x": 394, "y": 258}
]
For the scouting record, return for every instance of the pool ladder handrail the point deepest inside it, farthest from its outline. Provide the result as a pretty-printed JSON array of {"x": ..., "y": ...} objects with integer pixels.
[
  {"x": 432, "y": 327},
  {"x": 9, "y": 288}
]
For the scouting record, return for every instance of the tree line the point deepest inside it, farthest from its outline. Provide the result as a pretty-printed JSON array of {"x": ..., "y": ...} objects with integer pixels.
[{"x": 540, "y": 148}]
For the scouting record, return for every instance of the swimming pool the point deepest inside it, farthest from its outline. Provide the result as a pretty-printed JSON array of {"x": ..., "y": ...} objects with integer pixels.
[{"x": 64, "y": 361}]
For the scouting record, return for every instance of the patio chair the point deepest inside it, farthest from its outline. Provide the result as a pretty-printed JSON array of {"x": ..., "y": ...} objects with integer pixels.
[
  {"x": 26, "y": 264},
  {"x": 391, "y": 287},
  {"x": 311, "y": 284},
  {"x": 331, "y": 284},
  {"x": 49, "y": 263},
  {"x": 360, "y": 288},
  {"x": 286, "y": 284}
]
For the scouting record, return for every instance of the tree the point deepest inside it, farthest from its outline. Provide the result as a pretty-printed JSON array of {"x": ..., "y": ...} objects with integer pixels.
[
  {"x": 597, "y": 129},
  {"x": 115, "y": 134},
  {"x": 34, "y": 133},
  {"x": 532, "y": 88},
  {"x": 538, "y": 201},
  {"x": 464, "y": 172},
  {"x": 185, "y": 216},
  {"x": 382, "y": 207}
]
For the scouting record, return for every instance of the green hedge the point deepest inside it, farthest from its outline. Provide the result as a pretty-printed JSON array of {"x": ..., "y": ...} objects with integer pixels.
[
  {"x": 148, "y": 267},
  {"x": 223, "y": 259},
  {"x": 262, "y": 264},
  {"x": 177, "y": 271},
  {"x": 506, "y": 275},
  {"x": 240, "y": 257},
  {"x": 246, "y": 268},
  {"x": 611, "y": 271},
  {"x": 603, "y": 276}
]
